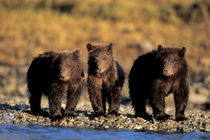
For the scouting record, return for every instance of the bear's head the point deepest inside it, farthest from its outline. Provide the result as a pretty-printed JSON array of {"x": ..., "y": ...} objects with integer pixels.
[
  {"x": 170, "y": 60},
  {"x": 63, "y": 64},
  {"x": 100, "y": 57}
]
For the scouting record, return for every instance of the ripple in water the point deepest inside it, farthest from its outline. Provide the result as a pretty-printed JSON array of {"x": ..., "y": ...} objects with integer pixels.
[{"x": 8, "y": 132}]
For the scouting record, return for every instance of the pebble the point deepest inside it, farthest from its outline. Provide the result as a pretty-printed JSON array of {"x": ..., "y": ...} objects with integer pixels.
[
  {"x": 138, "y": 127},
  {"x": 198, "y": 120},
  {"x": 106, "y": 126}
]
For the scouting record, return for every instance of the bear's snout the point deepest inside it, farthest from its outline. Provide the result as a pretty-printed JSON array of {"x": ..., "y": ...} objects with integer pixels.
[
  {"x": 64, "y": 74},
  {"x": 100, "y": 69},
  {"x": 61, "y": 76},
  {"x": 167, "y": 70}
]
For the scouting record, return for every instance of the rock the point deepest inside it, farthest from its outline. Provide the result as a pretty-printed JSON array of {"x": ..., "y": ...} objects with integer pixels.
[
  {"x": 204, "y": 91},
  {"x": 138, "y": 127},
  {"x": 198, "y": 99},
  {"x": 106, "y": 126},
  {"x": 145, "y": 46}
]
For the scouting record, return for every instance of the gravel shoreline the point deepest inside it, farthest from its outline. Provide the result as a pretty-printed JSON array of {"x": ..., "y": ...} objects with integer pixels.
[{"x": 199, "y": 121}]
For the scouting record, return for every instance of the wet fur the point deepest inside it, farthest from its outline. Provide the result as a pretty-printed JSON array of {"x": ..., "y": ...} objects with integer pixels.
[
  {"x": 156, "y": 74},
  {"x": 105, "y": 79},
  {"x": 54, "y": 74}
]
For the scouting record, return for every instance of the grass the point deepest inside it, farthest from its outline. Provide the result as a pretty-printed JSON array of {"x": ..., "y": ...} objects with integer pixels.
[{"x": 30, "y": 27}]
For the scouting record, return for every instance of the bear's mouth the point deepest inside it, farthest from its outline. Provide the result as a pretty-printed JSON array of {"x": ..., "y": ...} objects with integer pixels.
[
  {"x": 167, "y": 70},
  {"x": 101, "y": 71},
  {"x": 64, "y": 78},
  {"x": 167, "y": 73}
]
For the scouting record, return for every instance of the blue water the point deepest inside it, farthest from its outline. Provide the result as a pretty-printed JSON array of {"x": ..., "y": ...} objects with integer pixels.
[{"x": 33, "y": 132}]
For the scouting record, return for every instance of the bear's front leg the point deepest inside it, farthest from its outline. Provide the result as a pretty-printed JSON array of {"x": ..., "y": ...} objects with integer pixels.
[
  {"x": 140, "y": 108},
  {"x": 35, "y": 102},
  {"x": 160, "y": 89},
  {"x": 95, "y": 95},
  {"x": 158, "y": 105},
  {"x": 181, "y": 99},
  {"x": 55, "y": 106},
  {"x": 73, "y": 96},
  {"x": 114, "y": 98}
]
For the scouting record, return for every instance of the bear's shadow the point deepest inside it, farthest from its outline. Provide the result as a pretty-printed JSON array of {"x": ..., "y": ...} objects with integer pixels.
[
  {"x": 16, "y": 107},
  {"x": 44, "y": 113}
]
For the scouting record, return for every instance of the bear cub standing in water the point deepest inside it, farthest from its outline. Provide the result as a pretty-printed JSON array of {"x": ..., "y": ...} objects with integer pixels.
[
  {"x": 54, "y": 74},
  {"x": 105, "y": 80},
  {"x": 156, "y": 74}
]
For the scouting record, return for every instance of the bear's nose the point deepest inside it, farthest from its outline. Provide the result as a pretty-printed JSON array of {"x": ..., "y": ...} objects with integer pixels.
[
  {"x": 165, "y": 70},
  {"x": 61, "y": 76},
  {"x": 99, "y": 68}
]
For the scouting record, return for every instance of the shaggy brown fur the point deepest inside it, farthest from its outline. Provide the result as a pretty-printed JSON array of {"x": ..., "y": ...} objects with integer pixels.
[
  {"x": 105, "y": 79},
  {"x": 155, "y": 75},
  {"x": 55, "y": 73}
]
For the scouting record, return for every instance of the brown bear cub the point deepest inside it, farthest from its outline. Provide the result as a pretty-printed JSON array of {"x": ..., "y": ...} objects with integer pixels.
[
  {"x": 156, "y": 74},
  {"x": 54, "y": 74},
  {"x": 105, "y": 80}
]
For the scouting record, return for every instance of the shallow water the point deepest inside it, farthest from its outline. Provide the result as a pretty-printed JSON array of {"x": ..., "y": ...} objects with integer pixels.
[{"x": 31, "y": 132}]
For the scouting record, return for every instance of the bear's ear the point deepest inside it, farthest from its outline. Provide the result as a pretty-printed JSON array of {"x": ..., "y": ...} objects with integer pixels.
[
  {"x": 160, "y": 47},
  {"x": 76, "y": 54},
  {"x": 182, "y": 52},
  {"x": 89, "y": 47},
  {"x": 54, "y": 60},
  {"x": 110, "y": 47}
]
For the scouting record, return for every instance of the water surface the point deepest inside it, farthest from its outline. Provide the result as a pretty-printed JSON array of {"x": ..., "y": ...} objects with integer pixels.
[{"x": 32, "y": 132}]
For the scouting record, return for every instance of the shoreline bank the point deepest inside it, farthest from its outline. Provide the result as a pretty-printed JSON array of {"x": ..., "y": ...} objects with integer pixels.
[{"x": 19, "y": 114}]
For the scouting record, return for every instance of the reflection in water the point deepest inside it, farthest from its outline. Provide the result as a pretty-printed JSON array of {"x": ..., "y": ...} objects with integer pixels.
[{"x": 8, "y": 132}]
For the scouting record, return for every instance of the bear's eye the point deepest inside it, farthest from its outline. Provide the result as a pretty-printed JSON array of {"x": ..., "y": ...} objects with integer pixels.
[
  {"x": 59, "y": 67},
  {"x": 92, "y": 59},
  {"x": 163, "y": 61}
]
